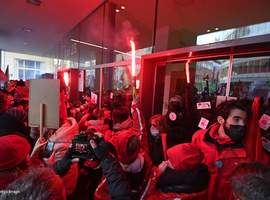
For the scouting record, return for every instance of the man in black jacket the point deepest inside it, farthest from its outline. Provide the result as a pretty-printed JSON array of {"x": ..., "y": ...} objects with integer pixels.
[{"x": 118, "y": 184}]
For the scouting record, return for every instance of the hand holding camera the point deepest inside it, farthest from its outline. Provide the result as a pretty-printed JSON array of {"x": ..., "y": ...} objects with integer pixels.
[
  {"x": 100, "y": 152},
  {"x": 81, "y": 147}
]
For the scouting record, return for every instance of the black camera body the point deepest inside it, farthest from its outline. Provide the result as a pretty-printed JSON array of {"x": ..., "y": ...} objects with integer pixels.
[{"x": 81, "y": 147}]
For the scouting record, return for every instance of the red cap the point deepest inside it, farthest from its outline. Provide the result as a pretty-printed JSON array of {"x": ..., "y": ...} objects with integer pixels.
[
  {"x": 14, "y": 149},
  {"x": 185, "y": 156},
  {"x": 121, "y": 145}
]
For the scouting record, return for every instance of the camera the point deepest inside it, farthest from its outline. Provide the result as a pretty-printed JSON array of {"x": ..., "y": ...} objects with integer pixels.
[{"x": 81, "y": 147}]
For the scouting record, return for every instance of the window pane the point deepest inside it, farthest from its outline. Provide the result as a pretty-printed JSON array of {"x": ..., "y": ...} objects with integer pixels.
[
  {"x": 20, "y": 74},
  {"x": 29, "y": 74},
  {"x": 251, "y": 66},
  {"x": 30, "y": 64},
  {"x": 254, "y": 83},
  {"x": 264, "y": 65},
  {"x": 37, "y": 65},
  {"x": 20, "y": 63}
]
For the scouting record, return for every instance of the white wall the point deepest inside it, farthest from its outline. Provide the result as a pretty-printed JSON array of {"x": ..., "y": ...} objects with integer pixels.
[{"x": 8, "y": 58}]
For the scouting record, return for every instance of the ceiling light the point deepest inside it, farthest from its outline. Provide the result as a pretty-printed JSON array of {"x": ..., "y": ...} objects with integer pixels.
[
  {"x": 216, "y": 28},
  {"x": 123, "y": 7},
  {"x": 27, "y": 30},
  {"x": 93, "y": 45},
  {"x": 208, "y": 30},
  {"x": 25, "y": 43},
  {"x": 117, "y": 10}
]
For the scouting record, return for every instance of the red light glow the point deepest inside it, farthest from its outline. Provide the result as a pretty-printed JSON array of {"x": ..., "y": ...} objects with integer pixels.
[
  {"x": 66, "y": 78},
  {"x": 137, "y": 84},
  {"x": 187, "y": 68},
  {"x": 187, "y": 72},
  {"x": 133, "y": 57}
]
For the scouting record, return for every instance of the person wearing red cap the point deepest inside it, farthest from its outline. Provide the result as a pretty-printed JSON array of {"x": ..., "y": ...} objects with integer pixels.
[
  {"x": 135, "y": 163},
  {"x": 183, "y": 176},
  {"x": 15, "y": 159},
  {"x": 223, "y": 147},
  {"x": 185, "y": 171}
]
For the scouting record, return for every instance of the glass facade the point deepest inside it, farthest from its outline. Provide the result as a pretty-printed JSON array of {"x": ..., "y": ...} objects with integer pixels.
[
  {"x": 104, "y": 37},
  {"x": 100, "y": 45}
]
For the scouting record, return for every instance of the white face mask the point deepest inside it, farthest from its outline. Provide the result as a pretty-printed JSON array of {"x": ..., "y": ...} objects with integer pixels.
[{"x": 154, "y": 132}]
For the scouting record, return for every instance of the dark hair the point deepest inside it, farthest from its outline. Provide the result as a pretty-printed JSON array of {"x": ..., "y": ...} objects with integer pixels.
[
  {"x": 133, "y": 145},
  {"x": 251, "y": 187},
  {"x": 254, "y": 167},
  {"x": 224, "y": 109},
  {"x": 17, "y": 170},
  {"x": 38, "y": 184},
  {"x": 162, "y": 123},
  {"x": 97, "y": 114},
  {"x": 251, "y": 181},
  {"x": 76, "y": 104},
  {"x": 120, "y": 114}
]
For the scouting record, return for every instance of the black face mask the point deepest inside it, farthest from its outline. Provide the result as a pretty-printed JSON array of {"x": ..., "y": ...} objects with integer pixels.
[{"x": 235, "y": 132}]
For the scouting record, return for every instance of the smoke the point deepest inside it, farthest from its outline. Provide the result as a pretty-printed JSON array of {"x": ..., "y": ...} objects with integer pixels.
[
  {"x": 92, "y": 33},
  {"x": 126, "y": 33}
]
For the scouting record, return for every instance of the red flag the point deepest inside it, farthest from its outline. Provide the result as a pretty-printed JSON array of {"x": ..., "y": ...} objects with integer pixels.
[
  {"x": 240, "y": 85},
  {"x": 164, "y": 144},
  {"x": 3, "y": 77},
  {"x": 252, "y": 140},
  {"x": 62, "y": 108}
]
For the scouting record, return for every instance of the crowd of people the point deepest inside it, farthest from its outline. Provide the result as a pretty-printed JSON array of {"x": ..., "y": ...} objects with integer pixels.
[{"x": 163, "y": 158}]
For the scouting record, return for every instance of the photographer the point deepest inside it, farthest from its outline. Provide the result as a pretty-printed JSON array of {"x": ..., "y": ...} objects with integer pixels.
[{"x": 118, "y": 184}]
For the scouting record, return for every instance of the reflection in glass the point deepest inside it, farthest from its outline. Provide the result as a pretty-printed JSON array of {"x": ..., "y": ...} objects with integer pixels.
[
  {"x": 207, "y": 80},
  {"x": 252, "y": 81},
  {"x": 118, "y": 84},
  {"x": 92, "y": 82}
]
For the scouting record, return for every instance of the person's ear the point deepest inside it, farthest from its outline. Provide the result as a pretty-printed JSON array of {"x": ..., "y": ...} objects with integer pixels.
[{"x": 220, "y": 120}]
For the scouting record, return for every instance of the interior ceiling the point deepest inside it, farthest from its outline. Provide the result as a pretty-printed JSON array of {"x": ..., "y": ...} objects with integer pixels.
[{"x": 52, "y": 20}]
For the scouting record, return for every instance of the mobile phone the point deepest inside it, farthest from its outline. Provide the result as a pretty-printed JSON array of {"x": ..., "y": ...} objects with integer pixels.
[{"x": 48, "y": 149}]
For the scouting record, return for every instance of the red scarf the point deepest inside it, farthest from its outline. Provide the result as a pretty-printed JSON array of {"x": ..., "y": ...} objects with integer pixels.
[{"x": 221, "y": 140}]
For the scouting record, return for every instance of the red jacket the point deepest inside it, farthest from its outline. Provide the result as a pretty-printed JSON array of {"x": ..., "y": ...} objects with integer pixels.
[{"x": 221, "y": 163}]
